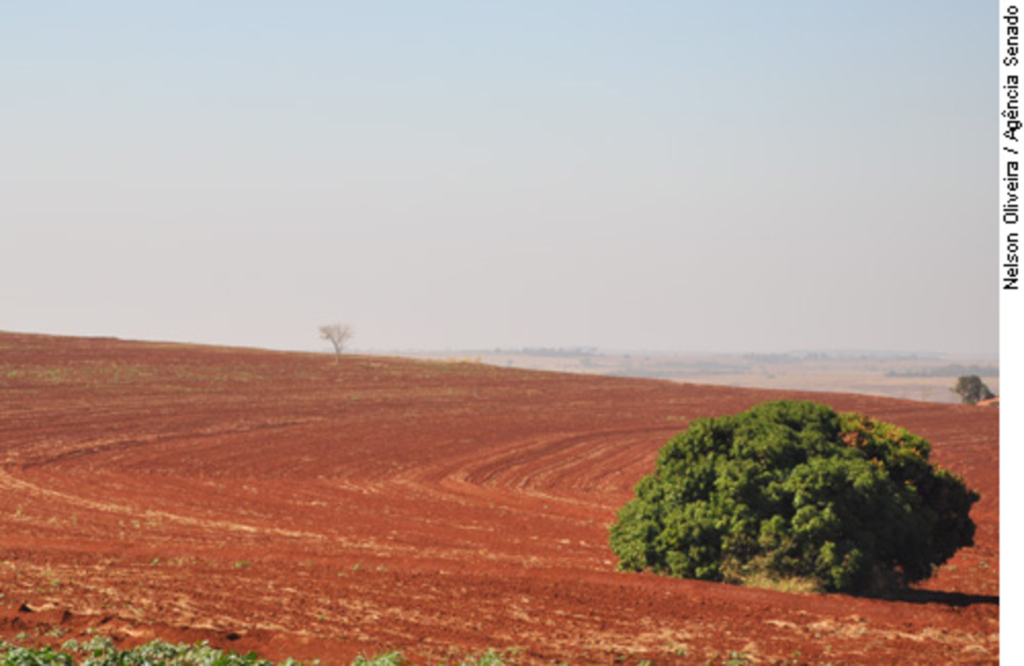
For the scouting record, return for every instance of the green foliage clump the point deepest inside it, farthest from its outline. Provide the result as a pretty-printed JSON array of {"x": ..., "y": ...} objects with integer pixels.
[
  {"x": 386, "y": 659},
  {"x": 972, "y": 390},
  {"x": 489, "y": 658},
  {"x": 101, "y": 651},
  {"x": 792, "y": 490}
]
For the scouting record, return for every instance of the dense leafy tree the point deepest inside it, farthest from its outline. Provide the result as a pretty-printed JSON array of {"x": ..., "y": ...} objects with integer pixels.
[
  {"x": 793, "y": 490},
  {"x": 972, "y": 390}
]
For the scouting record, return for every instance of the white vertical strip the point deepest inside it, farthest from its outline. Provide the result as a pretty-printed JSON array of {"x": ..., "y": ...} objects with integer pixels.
[{"x": 1011, "y": 330}]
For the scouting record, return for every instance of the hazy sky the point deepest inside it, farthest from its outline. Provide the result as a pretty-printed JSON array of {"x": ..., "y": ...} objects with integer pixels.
[{"x": 691, "y": 176}]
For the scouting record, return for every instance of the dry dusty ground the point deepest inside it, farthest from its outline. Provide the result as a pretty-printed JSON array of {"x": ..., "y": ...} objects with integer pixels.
[{"x": 292, "y": 505}]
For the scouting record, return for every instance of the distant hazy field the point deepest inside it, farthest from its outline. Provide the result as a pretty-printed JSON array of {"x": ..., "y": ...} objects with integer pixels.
[{"x": 911, "y": 376}]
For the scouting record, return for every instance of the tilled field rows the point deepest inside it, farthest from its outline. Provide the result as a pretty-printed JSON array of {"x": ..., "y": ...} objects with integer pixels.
[{"x": 297, "y": 506}]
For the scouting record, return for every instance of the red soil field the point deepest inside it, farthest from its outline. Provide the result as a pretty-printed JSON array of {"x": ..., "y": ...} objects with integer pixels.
[{"x": 297, "y": 506}]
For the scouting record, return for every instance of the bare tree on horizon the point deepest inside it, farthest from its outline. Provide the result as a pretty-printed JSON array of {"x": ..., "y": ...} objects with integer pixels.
[{"x": 337, "y": 335}]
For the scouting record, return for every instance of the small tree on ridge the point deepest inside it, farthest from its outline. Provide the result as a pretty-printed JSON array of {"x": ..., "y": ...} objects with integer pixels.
[
  {"x": 337, "y": 335},
  {"x": 972, "y": 390}
]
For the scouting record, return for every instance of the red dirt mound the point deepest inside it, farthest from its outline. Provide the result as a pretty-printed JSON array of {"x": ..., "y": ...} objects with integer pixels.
[{"x": 295, "y": 506}]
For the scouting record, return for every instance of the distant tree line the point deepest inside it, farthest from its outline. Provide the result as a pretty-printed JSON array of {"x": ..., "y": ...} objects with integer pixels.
[
  {"x": 679, "y": 369},
  {"x": 552, "y": 351},
  {"x": 955, "y": 370},
  {"x": 774, "y": 358}
]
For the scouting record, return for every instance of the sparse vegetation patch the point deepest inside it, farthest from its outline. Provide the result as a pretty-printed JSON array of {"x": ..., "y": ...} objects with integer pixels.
[{"x": 101, "y": 651}]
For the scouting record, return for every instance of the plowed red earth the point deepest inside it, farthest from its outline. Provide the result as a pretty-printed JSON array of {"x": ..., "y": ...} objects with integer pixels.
[{"x": 295, "y": 506}]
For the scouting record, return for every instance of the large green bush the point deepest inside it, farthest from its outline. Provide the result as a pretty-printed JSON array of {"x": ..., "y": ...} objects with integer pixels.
[{"x": 793, "y": 490}]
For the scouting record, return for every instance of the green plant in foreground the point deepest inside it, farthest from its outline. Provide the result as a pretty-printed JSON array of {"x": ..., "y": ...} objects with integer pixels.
[
  {"x": 19, "y": 656},
  {"x": 489, "y": 658},
  {"x": 388, "y": 659},
  {"x": 792, "y": 490},
  {"x": 101, "y": 651}
]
